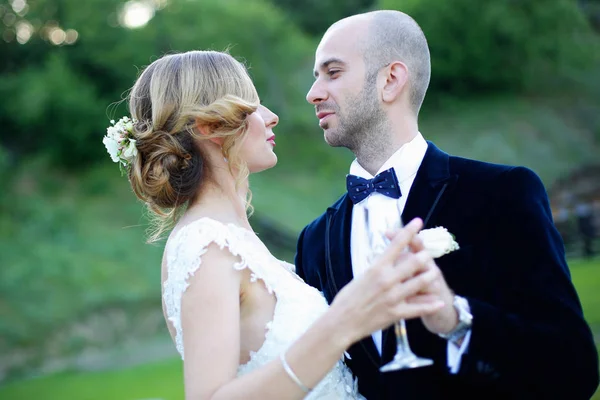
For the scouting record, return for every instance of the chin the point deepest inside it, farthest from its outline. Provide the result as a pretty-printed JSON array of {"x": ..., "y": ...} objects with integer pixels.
[
  {"x": 332, "y": 138},
  {"x": 263, "y": 165}
]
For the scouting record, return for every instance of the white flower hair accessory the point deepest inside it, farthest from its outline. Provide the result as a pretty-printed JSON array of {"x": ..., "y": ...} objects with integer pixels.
[
  {"x": 438, "y": 241},
  {"x": 120, "y": 142}
]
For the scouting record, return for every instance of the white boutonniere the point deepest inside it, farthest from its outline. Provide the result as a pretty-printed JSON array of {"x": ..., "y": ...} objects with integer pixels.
[{"x": 438, "y": 241}]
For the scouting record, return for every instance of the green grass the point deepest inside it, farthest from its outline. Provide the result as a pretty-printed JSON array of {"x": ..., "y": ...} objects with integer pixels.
[
  {"x": 586, "y": 278},
  {"x": 517, "y": 131},
  {"x": 70, "y": 238},
  {"x": 164, "y": 380},
  {"x": 290, "y": 200}
]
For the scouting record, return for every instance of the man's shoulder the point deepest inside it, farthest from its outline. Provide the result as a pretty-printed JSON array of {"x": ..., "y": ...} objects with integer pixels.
[
  {"x": 468, "y": 168},
  {"x": 515, "y": 179}
]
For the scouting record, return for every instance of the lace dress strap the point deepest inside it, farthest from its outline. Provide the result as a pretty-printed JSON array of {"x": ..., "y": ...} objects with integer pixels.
[{"x": 184, "y": 256}]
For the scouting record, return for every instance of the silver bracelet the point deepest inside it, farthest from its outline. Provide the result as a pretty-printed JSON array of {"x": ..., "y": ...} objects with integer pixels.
[{"x": 292, "y": 375}]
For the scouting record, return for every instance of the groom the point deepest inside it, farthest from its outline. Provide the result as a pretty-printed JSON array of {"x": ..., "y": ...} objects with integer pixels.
[{"x": 513, "y": 326}]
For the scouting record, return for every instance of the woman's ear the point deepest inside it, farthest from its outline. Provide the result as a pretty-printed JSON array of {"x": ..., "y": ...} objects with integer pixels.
[
  {"x": 396, "y": 78},
  {"x": 206, "y": 131}
]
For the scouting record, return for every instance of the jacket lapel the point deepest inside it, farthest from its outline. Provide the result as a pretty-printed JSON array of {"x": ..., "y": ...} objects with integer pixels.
[
  {"x": 429, "y": 191},
  {"x": 431, "y": 187},
  {"x": 337, "y": 245},
  {"x": 339, "y": 259}
]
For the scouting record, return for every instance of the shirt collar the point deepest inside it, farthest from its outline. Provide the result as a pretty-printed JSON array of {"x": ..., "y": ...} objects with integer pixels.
[{"x": 405, "y": 161}]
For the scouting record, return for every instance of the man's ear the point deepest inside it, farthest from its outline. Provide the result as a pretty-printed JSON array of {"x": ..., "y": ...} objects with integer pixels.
[
  {"x": 206, "y": 131},
  {"x": 396, "y": 78}
]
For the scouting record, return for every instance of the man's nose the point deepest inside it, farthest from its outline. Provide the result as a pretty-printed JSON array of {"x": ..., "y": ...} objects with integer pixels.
[{"x": 316, "y": 94}]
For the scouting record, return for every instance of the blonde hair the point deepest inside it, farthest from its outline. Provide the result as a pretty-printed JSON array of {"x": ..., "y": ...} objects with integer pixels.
[{"x": 171, "y": 98}]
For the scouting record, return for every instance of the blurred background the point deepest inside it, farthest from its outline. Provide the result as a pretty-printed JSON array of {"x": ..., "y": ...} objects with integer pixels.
[{"x": 514, "y": 82}]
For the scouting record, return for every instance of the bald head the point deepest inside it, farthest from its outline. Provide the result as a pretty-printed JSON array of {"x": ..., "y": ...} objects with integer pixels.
[{"x": 388, "y": 36}]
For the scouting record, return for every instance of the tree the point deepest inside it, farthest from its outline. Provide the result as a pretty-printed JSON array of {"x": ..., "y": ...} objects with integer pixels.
[
  {"x": 315, "y": 16},
  {"x": 501, "y": 45},
  {"x": 57, "y": 98}
]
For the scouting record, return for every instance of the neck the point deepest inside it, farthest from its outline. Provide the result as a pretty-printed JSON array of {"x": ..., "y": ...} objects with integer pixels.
[
  {"x": 382, "y": 142},
  {"x": 220, "y": 198}
]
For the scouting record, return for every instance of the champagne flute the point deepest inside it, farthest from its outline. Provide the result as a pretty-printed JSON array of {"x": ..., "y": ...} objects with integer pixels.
[{"x": 378, "y": 241}]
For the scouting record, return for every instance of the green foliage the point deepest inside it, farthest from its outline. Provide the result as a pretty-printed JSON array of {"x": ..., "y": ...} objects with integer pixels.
[
  {"x": 591, "y": 8},
  {"x": 315, "y": 16},
  {"x": 54, "y": 110},
  {"x": 70, "y": 252},
  {"x": 501, "y": 45},
  {"x": 59, "y": 102}
]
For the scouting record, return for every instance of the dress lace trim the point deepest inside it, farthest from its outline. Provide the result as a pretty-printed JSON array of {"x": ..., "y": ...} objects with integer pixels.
[
  {"x": 183, "y": 260},
  {"x": 297, "y": 306}
]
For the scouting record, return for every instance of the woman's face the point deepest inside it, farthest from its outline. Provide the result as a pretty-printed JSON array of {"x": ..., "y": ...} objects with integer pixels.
[{"x": 257, "y": 148}]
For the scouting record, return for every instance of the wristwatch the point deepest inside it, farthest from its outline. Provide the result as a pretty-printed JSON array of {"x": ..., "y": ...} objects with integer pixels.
[{"x": 465, "y": 320}]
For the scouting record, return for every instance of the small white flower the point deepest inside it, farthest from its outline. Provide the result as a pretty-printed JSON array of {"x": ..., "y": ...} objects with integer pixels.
[
  {"x": 130, "y": 151},
  {"x": 438, "y": 241},
  {"x": 120, "y": 143},
  {"x": 112, "y": 132},
  {"x": 112, "y": 147}
]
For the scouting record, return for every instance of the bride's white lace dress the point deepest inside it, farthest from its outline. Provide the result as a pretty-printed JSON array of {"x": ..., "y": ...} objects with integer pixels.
[{"x": 298, "y": 304}]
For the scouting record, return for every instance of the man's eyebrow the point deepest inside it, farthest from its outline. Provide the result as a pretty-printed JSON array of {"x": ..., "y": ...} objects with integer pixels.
[{"x": 326, "y": 63}]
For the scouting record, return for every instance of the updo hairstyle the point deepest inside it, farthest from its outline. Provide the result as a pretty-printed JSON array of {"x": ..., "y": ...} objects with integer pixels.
[{"x": 171, "y": 97}]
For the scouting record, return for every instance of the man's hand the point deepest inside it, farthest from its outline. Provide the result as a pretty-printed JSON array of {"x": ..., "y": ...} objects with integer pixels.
[{"x": 446, "y": 319}]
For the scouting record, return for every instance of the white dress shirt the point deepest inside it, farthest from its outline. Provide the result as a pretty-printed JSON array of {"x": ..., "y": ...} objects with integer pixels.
[{"x": 405, "y": 162}]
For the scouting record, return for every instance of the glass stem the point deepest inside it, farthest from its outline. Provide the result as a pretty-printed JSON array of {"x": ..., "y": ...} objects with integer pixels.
[{"x": 402, "y": 347}]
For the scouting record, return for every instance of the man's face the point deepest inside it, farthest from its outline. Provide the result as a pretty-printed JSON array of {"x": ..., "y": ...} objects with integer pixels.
[{"x": 345, "y": 99}]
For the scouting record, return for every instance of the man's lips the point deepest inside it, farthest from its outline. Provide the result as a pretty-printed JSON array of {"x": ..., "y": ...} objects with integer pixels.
[
  {"x": 271, "y": 140},
  {"x": 323, "y": 114}
]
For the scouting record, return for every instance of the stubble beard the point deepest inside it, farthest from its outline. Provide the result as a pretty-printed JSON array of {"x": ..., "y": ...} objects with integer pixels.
[{"x": 364, "y": 128}]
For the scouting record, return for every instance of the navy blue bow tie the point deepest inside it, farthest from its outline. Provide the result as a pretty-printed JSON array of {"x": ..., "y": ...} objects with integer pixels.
[{"x": 385, "y": 183}]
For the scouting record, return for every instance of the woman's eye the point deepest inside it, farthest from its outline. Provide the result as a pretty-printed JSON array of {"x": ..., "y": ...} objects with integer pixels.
[{"x": 332, "y": 72}]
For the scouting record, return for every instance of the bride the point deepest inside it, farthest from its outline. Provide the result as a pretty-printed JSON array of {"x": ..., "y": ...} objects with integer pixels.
[{"x": 245, "y": 324}]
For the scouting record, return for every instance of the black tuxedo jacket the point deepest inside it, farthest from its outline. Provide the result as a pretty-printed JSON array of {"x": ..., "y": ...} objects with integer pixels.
[{"x": 529, "y": 338}]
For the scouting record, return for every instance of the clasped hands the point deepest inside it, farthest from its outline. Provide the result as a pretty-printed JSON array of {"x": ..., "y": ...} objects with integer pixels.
[
  {"x": 435, "y": 288},
  {"x": 404, "y": 282}
]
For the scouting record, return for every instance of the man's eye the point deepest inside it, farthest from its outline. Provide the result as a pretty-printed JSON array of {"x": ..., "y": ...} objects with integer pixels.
[{"x": 332, "y": 72}]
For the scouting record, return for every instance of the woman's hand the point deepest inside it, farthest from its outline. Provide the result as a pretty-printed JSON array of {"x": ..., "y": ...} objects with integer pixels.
[{"x": 376, "y": 299}]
